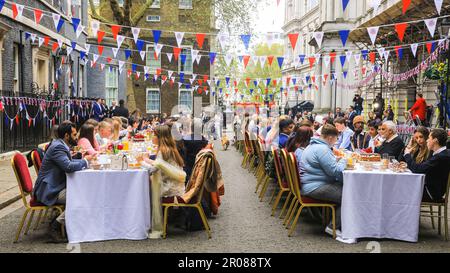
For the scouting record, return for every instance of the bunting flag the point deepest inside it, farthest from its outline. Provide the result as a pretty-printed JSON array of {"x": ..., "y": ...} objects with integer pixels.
[
  {"x": 2, "y": 3},
  {"x": 406, "y": 4},
  {"x": 372, "y": 57},
  {"x": 414, "y": 49},
  {"x": 262, "y": 61},
  {"x": 343, "y": 59},
  {"x": 280, "y": 61},
  {"x": 55, "y": 47},
  {"x": 176, "y": 52},
  {"x": 169, "y": 56},
  {"x": 127, "y": 53},
  {"x": 75, "y": 23},
  {"x": 375, "y": 4},
  {"x": 293, "y": 38},
  {"x": 399, "y": 52},
  {"x": 58, "y": 22},
  {"x": 46, "y": 40},
  {"x": 120, "y": 40},
  {"x": 100, "y": 35},
  {"x": 115, "y": 50},
  {"x": 95, "y": 26},
  {"x": 246, "y": 59},
  {"x": 270, "y": 60},
  {"x": 400, "y": 28},
  {"x": 345, "y": 4},
  {"x": 228, "y": 59},
  {"x": 364, "y": 54},
  {"x": 246, "y": 40},
  {"x": 156, "y": 36},
  {"x": 158, "y": 48},
  {"x": 344, "y": 36},
  {"x": 115, "y": 29},
  {"x": 100, "y": 50},
  {"x": 17, "y": 10},
  {"x": 332, "y": 57},
  {"x": 437, "y": 3},
  {"x": 318, "y": 36},
  {"x": 373, "y": 32},
  {"x": 80, "y": 29},
  {"x": 312, "y": 60},
  {"x": 200, "y": 39},
  {"x": 431, "y": 25},
  {"x": 179, "y": 36},
  {"x": 223, "y": 40},
  {"x": 37, "y": 16},
  {"x": 140, "y": 45}
]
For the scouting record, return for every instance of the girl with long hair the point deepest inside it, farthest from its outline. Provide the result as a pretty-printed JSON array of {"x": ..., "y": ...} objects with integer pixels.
[
  {"x": 86, "y": 139},
  {"x": 418, "y": 145}
]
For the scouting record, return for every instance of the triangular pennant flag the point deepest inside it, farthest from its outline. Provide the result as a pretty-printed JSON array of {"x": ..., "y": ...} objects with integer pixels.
[
  {"x": 75, "y": 23},
  {"x": 2, "y": 3},
  {"x": 212, "y": 57},
  {"x": 102, "y": 66},
  {"x": 431, "y": 25},
  {"x": 293, "y": 38},
  {"x": 399, "y": 52},
  {"x": 142, "y": 53},
  {"x": 100, "y": 35},
  {"x": 342, "y": 58},
  {"x": 375, "y": 4},
  {"x": 156, "y": 35},
  {"x": 246, "y": 60},
  {"x": 312, "y": 60},
  {"x": 27, "y": 35},
  {"x": 115, "y": 50},
  {"x": 183, "y": 58},
  {"x": 37, "y": 16},
  {"x": 381, "y": 51},
  {"x": 133, "y": 67},
  {"x": 400, "y": 28},
  {"x": 357, "y": 59},
  {"x": 302, "y": 58},
  {"x": 372, "y": 57},
  {"x": 270, "y": 38},
  {"x": 344, "y": 36},
  {"x": 345, "y": 4},
  {"x": 246, "y": 40},
  {"x": 17, "y": 10},
  {"x": 270, "y": 60},
  {"x": 55, "y": 47},
  {"x": 199, "y": 57},
  {"x": 318, "y": 36},
  {"x": 280, "y": 61},
  {"x": 326, "y": 60},
  {"x": 95, "y": 57},
  {"x": 127, "y": 53},
  {"x": 82, "y": 54},
  {"x": 228, "y": 59},
  {"x": 223, "y": 40},
  {"x": 33, "y": 37},
  {"x": 95, "y": 26},
  {"x": 56, "y": 17},
  {"x": 179, "y": 36},
  {"x": 364, "y": 54},
  {"x": 140, "y": 45},
  {"x": 200, "y": 39},
  {"x": 414, "y": 49},
  {"x": 349, "y": 55},
  {"x": 345, "y": 74},
  {"x": 170, "y": 73},
  {"x": 80, "y": 29},
  {"x": 100, "y": 50},
  {"x": 430, "y": 47},
  {"x": 158, "y": 48},
  {"x": 406, "y": 4},
  {"x": 194, "y": 54},
  {"x": 176, "y": 52},
  {"x": 262, "y": 61},
  {"x": 115, "y": 29},
  {"x": 386, "y": 55},
  {"x": 373, "y": 32},
  {"x": 437, "y": 3},
  {"x": 120, "y": 40},
  {"x": 169, "y": 56}
]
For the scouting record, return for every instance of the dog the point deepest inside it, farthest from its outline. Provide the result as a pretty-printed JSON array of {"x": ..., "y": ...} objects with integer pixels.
[{"x": 225, "y": 142}]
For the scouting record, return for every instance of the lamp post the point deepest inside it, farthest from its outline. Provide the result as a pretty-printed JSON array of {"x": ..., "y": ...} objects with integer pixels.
[{"x": 444, "y": 98}]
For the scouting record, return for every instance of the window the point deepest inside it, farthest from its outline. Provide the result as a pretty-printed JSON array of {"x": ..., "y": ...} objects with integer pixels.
[
  {"x": 185, "y": 99},
  {"x": 156, "y": 4},
  {"x": 153, "y": 18},
  {"x": 187, "y": 67},
  {"x": 153, "y": 101},
  {"x": 310, "y": 4},
  {"x": 112, "y": 85},
  {"x": 185, "y": 4},
  {"x": 16, "y": 58},
  {"x": 151, "y": 61}
]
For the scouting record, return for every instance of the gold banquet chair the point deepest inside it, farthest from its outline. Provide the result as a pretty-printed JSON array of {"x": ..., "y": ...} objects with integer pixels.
[
  {"x": 441, "y": 204},
  {"x": 196, "y": 203},
  {"x": 20, "y": 167},
  {"x": 304, "y": 202}
]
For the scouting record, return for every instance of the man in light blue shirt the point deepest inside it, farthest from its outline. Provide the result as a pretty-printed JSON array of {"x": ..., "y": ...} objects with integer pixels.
[{"x": 345, "y": 135}]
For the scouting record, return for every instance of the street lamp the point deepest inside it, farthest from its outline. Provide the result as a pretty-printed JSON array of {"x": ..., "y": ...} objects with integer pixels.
[{"x": 445, "y": 33}]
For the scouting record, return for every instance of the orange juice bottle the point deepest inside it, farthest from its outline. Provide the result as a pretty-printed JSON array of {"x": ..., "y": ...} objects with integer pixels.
[{"x": 126, "y": 145}]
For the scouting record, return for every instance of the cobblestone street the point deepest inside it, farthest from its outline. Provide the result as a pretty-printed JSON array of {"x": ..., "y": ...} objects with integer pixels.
[{"x": 243, "y": 225}]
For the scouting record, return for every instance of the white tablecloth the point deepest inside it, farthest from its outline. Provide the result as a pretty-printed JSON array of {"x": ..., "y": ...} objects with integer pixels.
[
  {"x": 381, "y": 205},
  {"x": 107, "y": 205}
]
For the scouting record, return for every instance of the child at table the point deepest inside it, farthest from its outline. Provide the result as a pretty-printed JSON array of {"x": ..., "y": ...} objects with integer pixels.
[{"x": 168, "y": 176}]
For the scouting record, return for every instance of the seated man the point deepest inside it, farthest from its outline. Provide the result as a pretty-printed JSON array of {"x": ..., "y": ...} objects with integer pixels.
[
  {"x": 50, "y": 188},
  {"x": 104, "y": 133},
  {"x": 360, "y": 139},
  {"x": 436, "y": 168},
  {"x": 392, "y": 145},
  {"x": 321, "y": 173},
  {"x": 286, "y": 128},
  {"x": 345, "y": 135}
]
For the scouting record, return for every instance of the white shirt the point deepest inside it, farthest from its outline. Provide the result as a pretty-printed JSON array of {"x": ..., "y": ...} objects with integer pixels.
[{"x": 440, "y": 150}]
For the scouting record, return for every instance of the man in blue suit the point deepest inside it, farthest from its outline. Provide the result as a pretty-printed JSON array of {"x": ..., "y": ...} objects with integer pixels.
[
  {"x": 50, "y": 188},
  {"x": 98, "y": 110}
]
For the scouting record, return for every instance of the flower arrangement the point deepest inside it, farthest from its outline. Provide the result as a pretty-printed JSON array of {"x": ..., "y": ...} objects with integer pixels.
[{"x": 437, "y": 71}]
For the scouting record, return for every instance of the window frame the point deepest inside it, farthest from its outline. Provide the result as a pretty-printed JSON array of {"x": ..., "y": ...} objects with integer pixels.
[
  {"x": 183, "y": 47},
  {"x": 153, "y": 21},
  {"x": 179, "y": 98},
  {"x": 150, "y": 53},
  {"x": 180, "y": 6},
  {"x": 114, "y": 87},
  {"x": 147, "y": 90}
]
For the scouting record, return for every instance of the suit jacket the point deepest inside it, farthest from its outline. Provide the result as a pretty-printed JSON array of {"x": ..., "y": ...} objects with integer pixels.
[
  {"x": 52, "y": 175},
  {"x": 436, "y": 170},
  {"x": 393, "y": 148},
  {"x": 98, "y": 112}
]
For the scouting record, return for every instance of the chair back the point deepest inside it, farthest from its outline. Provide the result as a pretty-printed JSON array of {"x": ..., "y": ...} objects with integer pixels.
[
  {"x": 20, "y": 167},
  {"x": 207, "y": 173},
  {"x": 295, "y": 176},
  {"x": 248, "y": 145},
  {"x": 446, "y": 197},
  {"x": 37, "y": 161},
  {"x": 278, "y": 167},
  {"x": 286, "y": 167}
]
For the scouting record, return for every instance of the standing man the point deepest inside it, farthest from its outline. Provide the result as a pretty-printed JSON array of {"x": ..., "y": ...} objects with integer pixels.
[
  {"x": 351, "y": 115},
  {"x": 112, "y": 108},
  {"x": 378, "y": 106},
  {"x": 358, "y": 102},
  {"x": 419, "y": 109},
  {"x": 105, "y": 109},
  {"x": 121, "y": 110},
  {"x": 339, "y": 113},
  {"x": 98, "y": 110}
]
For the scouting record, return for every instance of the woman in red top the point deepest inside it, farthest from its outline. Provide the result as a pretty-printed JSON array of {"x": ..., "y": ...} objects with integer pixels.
[{"x": 419, "y": 108}]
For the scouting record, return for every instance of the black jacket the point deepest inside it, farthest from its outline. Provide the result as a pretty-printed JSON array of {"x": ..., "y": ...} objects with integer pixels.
[
  {"x": 120, "y": 111},
  {"x": 393, "y": 148},
  {"x": 436, "y": 170}
]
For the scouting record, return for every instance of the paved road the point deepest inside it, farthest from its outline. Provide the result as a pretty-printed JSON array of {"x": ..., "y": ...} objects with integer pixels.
[{"x": 243, "y": 225}]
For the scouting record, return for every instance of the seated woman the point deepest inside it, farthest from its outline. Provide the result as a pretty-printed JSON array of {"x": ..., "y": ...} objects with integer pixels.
[
  {"x": 86, "y": 140},
  {"x": 321, "y": 173},
  {"x": 418, "y": 145},
  {"x": 392, "y": 145},
  {"x": 168, "y": 176},
  {"x": 298, "y": 143},
  {"x": 436, "y": 168}
]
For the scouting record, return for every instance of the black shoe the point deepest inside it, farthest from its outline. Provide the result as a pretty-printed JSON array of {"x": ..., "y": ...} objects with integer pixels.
[{"x": 54, "y": 234}]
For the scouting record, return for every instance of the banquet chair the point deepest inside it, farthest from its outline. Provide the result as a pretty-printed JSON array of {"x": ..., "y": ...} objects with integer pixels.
[
  {"x": 281, "y": 179},
  {"x": 19, "y": 165},
  {"x": 262, "y": 177},
  {"x": 247, "y": 151},
  {"x": 37, "y": 161},
  {"x": 196, "y": 202},
  {"x": 304, "y": 202},
  {"x": 441, "y": 204},
  {"x": 284, "y": 167},
  {"x": 255, "y": 154}
]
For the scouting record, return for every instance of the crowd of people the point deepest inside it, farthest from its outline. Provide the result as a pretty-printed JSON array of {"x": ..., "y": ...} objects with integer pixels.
[
  {"x": 318, "y": 142},
  {"x": 178, "y": 140}
]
